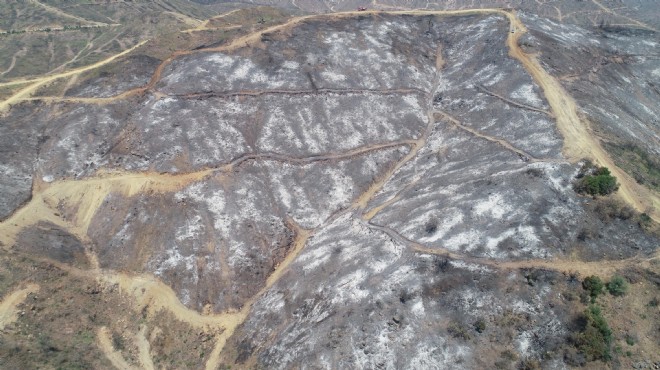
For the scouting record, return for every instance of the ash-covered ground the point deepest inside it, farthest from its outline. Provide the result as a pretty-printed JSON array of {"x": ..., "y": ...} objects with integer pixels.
[{"x": 370, "y": 190}]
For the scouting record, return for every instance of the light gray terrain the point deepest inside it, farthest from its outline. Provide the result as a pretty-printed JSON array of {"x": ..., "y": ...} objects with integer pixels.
[{"x": 414, "y": 150}]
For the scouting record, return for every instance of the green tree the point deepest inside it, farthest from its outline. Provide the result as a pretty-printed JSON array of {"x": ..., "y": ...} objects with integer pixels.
[{"x": 601, "y": 182}]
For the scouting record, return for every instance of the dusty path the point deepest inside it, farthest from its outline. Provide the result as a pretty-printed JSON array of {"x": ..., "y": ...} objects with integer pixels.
[
  {"x": 71, "y": 204},
  {"x": 9, "y": 303},
  {"x": 144, "y": 349},
  {"x": 603, "y": 268},
  {"x": 83, "y": 197},
  {"x": 61, "y": 13},
  {"x": 16, "y": 55},
  {"x": 522, "y": 154},
  {"x": 35, "y": 84},
  {"x": 204, "y": 25},
  {"x": 579, "y": 143},
  {"x": 634, "y": 21},
  {"x": 105, "y": 343}
]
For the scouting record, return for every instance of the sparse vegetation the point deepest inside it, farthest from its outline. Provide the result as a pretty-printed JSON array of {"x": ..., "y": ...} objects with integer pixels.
[
  {"x": 595, "y": 338},
  {"x": 529, "y": 364},
  {"x": 480, "y": 325},
  {"x": 458, "y": 330},
  {"x": 610, "y": 209},
  {"x": 638, "y": 162},
  {"x": 594, "y": 286},
  {"x": 594, "y": 180},
  {"x": 654, "y": 302},
  {"x": 618, "y": 286}
]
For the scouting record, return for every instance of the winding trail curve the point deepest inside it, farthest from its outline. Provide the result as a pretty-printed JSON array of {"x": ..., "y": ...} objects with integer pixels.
[{"x": 83, "y": 197}]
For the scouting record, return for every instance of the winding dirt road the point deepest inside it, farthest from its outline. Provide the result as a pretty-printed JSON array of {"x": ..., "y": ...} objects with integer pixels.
[
  {"x": 83, "y": 197},
  {"x": 36, "y": 83}
]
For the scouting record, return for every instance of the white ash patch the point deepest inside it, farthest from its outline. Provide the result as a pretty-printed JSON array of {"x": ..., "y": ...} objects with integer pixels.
[
  {"x": 468, "y": 239},
  {"x": 191, "y": 230},
  {"x": 495, "y": 207},
  {"x": 524, "y": 342},
  {"x": 349, "y": 288},
  {"x": 174, "y": 260},
  {"x": 472, "y": 301},
  {"x": 215, "y": 203},
  {"x": 333, "y": 76},
  {"x": 417, "y": 308},
  {"x": 439, "y": 356},
  {"x": 291, "y": 64},
  {"x": 447, "y": 220},
  {"x": 527, "y": 94}
]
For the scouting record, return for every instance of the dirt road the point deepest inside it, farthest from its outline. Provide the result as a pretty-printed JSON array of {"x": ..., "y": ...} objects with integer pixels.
[
  {"x": 36, "y": 83},
  {"x": 8, "y": 306},
  {"x": 83, "y": 197}
]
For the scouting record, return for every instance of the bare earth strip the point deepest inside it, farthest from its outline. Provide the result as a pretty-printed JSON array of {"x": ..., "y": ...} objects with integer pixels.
[
  {"x": 105, "y": 343},
  {"x": 59, "y": 12},
  {"x": 85, "y": 196},
  {"x": 35, "y": 84},
  {"x": 579, "y": 143},
  {"x": 8, "y": 310}
]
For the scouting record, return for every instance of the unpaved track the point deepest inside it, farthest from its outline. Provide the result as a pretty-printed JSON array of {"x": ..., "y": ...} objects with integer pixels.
[
  {"x": 105, "y": 343},
  {"x": 579, "y": 142},
  {"x": 204, "y": 25},
  {"x": 144, "y": 349},
  {"x": 603, "y": 268},
  {"x": 151, "y": 293},
  {"x": 82, "y": 198},
  {"x": 9, "y": 303},
  {"x": 234, "y": 320},
  {"x": 16, "y": 55},
  {"x": 59, "y": 12},
  {"x": 71, "y": 204},
  {"x": 35, "y": 84},
  {"x": 522, "y": 154},
  {"x": 634, "y": 21}
]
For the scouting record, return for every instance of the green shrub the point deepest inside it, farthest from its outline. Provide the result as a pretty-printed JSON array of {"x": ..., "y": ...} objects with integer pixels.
[
  {"x": 595, "y": 339},
  {"x": 480, "y": 325},
  {"x": 596, "y": 181},
  {"x": 618, "y": 286},
  {"x": 594, "y": 286}
]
